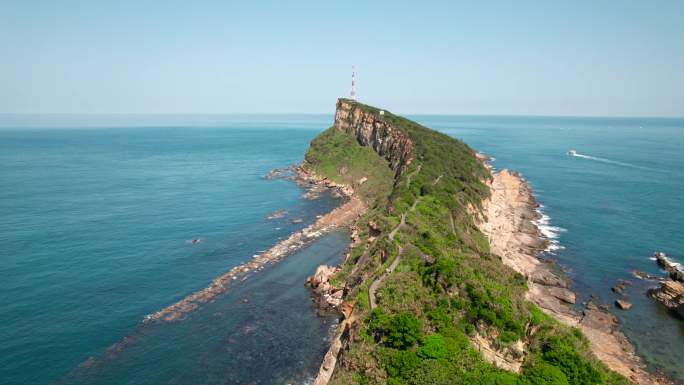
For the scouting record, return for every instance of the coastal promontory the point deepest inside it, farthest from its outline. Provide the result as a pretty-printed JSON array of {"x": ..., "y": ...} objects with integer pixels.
[{"x": 441, "y": 284}]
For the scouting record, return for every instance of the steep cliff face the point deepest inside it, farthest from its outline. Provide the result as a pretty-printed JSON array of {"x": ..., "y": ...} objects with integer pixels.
[{"x": 372, "y": 129}]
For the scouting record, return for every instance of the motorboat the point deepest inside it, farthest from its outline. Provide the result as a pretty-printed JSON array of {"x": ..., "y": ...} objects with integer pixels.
[{"x": 572, "y": 152}]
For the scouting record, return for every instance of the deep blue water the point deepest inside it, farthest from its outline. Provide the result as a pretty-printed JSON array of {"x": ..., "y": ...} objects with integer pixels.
[{"x": 96, "y": 222}]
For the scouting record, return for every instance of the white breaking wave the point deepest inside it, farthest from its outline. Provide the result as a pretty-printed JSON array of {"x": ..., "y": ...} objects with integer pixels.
[{"x": 548, "y": 231}]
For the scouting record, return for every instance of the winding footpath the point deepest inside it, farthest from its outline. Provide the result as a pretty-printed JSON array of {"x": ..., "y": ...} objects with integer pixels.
[
  {"x": 330, "y": 360},
  {"x": 373, "y": 288}
]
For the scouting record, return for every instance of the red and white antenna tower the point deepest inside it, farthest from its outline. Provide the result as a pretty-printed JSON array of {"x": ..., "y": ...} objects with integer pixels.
[{"x": 353, "y": 89}]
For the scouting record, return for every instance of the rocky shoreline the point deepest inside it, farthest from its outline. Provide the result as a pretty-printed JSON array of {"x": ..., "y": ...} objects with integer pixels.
[
  {"x": 509, "y": 226},
  {"x": 341, "y": 216},
  {"x": 670, "y": 291}
]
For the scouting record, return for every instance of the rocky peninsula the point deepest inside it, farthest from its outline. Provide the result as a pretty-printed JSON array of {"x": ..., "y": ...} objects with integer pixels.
[{"x": 442, "y": 282}]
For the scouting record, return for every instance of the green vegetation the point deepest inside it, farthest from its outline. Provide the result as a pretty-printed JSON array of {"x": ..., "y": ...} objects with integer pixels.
[
  {"x": 448, "y": 286},
  {"x": 337, "y": 156}
]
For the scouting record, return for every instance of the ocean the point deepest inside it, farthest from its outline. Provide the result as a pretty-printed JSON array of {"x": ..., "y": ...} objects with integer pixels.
[{"x": 99, "y": 213}]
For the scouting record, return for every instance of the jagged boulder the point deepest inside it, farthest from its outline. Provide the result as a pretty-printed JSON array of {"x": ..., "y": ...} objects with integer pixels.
[
  {"x": 622, "y": 304},
  {"x": 322, "y": 275},
  {"x": 325, "y": 294},
  {"x": 671, "y": 294}
]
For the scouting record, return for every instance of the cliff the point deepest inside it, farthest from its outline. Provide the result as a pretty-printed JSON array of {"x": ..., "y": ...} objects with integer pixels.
[
  {"x": 370, "y": 127},
  {"x": 426, "y": 299}
]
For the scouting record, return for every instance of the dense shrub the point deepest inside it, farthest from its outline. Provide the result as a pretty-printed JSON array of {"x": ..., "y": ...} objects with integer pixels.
[
  {"x": 433, "y": 347},
  {"x": 561, "y": 353},
  {"x": 401, "y": 363},
  {"x": 543, "y": 374},
  {"x": 400, "y": 331}
]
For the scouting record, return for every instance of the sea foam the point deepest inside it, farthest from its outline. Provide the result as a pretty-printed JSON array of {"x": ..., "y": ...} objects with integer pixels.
[{"x": 548, "y": 231}]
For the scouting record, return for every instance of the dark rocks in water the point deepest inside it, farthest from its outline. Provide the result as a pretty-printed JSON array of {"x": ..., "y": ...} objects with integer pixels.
[
  {"x": 622, "y": 304},
  {"x": 278, "y": 214},
  {"x": 671, "y": 294},
  {"x": 275, "y": 173},
  {"x": 645, "y": 276},
  {"x": 326, "y": 295},
  {"x": 285, "y": 173},
  {"x": 311, "y": 195},
  {"x": 673, "y": 269},
  {"x": 671, "y": 290},
  {"x": 619, "y": 288}
]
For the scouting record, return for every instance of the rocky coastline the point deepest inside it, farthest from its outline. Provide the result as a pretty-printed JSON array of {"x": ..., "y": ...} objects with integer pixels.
[
  {"x": 671, "y": 290},
  {"x": 508, "y": 222},
  {"x": 341, "y": 216}
]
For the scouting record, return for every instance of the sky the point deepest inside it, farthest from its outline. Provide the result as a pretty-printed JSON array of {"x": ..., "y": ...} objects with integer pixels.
[{"x": 587, "y": 58}]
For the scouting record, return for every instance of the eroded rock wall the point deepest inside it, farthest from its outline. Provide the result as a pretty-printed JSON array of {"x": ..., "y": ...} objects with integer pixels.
[{"x": 371, "y": 129}]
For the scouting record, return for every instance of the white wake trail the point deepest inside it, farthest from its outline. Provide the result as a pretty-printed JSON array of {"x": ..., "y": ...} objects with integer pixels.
[{"x": 615, "y": 162}]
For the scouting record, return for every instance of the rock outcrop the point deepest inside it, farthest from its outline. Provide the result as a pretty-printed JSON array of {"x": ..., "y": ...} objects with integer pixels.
[
  {"x": 325, "y": 295},
  {"x": 673, "y": 269},
  {"x": 375, "y": 130},
  {"x": 671, "y": 294},
  {"x": 622, "y": 304},
  {"x": 510, "y": 358},
  {"x": 671, "y": 290}
]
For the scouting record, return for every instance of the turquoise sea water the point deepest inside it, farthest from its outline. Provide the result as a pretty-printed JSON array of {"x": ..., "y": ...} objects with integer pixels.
[
  {"x": 95, "y": 234},
  {"x": 609, "y": 208},
  {"x": 97, "y": 212}
]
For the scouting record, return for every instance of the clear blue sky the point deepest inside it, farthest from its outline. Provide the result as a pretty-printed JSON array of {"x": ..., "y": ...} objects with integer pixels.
[{"x": 611, "y": 58}]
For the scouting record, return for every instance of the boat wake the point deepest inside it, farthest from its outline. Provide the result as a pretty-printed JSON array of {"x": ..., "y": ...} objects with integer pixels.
[{"x": 615, "y": 162}]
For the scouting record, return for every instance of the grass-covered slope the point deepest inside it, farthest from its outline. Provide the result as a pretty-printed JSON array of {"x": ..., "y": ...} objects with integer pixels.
[
  {"x": 447, "y": 288},
  {"x": 337, "y": 155}
]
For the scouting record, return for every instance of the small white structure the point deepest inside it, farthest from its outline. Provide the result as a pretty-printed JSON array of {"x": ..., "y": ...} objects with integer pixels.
[{"x": 382, "y": 112}]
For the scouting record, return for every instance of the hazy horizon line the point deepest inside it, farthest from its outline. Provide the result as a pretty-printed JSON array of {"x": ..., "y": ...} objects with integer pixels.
[{"x": 529, "y": 115}]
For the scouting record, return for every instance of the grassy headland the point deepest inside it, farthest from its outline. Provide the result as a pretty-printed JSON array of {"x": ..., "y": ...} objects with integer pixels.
[{"x": 448, "y": 290}]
